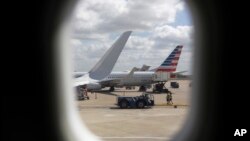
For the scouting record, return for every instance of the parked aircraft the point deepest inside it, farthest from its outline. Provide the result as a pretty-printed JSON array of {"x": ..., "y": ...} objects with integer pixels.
[
  {"x": 144, "y": 78},
  {"x": 143, "y": 68},
  {"x": 92, "y": 80}
]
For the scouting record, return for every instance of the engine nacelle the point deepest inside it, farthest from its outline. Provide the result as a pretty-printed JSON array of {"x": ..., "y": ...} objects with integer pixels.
[{"x": 94, "y": 86}]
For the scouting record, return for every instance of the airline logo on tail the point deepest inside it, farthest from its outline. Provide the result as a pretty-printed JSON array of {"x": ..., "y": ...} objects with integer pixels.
[{"x": 170, "y": 64}]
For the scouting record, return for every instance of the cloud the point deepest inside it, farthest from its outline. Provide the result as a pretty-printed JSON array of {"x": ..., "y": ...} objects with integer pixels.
[
  {"x": 85, "y": 55},
  {"x": 167, "y": 35},
  {"x": 139, "y": 43},
  {"x": 98, "y": 23},
  {"x": 118, "y": 15}
]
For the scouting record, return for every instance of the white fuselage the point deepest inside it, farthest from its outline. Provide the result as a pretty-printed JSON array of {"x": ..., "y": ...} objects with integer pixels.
[
  {"x": 123, "y": 79},
  {"x": 137, "y": 79}
]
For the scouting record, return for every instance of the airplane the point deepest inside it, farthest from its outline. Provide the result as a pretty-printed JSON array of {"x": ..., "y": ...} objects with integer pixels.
[
  {"x": 144, "y": 78},
  {"x": 143, "y": 68},
  {"x": 92, "y": 79},
  {"x": 141, "y": 77}
]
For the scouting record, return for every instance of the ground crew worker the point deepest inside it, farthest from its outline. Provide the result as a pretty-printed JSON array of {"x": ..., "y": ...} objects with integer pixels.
[
  {"x": 169, "y": 98},
  {"x": 81, "y": 93},
  {"x": 85, "y": 92}
]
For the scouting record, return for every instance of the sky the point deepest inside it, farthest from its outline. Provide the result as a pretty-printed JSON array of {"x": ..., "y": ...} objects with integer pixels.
[{"x": 158, "y": 27}]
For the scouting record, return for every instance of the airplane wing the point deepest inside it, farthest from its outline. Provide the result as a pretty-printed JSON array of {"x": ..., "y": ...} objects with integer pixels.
[{"x": 105, "y": 65}]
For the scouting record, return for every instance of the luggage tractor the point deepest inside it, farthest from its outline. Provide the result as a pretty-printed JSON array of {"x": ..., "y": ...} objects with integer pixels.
[{"x": 141, "y": 101}]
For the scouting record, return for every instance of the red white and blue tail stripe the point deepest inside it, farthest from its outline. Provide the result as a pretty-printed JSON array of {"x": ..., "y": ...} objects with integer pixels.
[{"x": 170, "y": 64}]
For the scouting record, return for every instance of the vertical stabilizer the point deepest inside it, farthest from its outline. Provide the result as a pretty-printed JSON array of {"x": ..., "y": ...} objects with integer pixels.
[
  {"x": 105, "y": 65},
  {"x": 131, "y": 73},
  {"x": 171, "y": 62},
  {"x": 144, "y": 68}
]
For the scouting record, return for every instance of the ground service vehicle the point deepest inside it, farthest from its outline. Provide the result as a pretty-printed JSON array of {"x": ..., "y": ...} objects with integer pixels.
[
  {"x": 141, "y": 101},
  {"x": 160, "y": 88},
  {"x": 174, "y": 85}
]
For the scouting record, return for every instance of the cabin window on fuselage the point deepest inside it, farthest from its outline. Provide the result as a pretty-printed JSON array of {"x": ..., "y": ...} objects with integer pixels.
[{"x": 158, "y": 28}]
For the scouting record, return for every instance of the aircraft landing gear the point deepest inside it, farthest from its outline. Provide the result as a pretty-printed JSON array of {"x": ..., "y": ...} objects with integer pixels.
[
  {"x": 142, "y": 89},
  {"x": 160, "y": 87},
  {"x": 112, "y": 88}
]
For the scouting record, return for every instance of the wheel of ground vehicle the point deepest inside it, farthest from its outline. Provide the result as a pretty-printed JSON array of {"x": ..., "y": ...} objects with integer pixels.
[
  {"x": 140, "y": 104},
  {"x": 123, "y": 104}
]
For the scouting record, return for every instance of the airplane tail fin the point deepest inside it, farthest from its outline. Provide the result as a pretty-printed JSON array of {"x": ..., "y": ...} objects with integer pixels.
[
  {"x": 131, "y": 73},
  {"x": 171, "y": 62},
  {"x": 107, "y": 62},
  {"x": 144, "y": 68}
]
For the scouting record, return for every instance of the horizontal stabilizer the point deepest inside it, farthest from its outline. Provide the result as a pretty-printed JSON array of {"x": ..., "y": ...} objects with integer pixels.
[
  {"x": 179, "y": 72},
  {"x": 82, "y": 80}
]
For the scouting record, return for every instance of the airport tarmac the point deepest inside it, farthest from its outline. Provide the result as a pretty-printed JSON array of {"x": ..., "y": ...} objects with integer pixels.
[{"x": 159, "y": 122}]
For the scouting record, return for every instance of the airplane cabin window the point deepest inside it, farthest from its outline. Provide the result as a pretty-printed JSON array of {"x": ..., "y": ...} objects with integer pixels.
[{"x": 125, "y": 50}]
